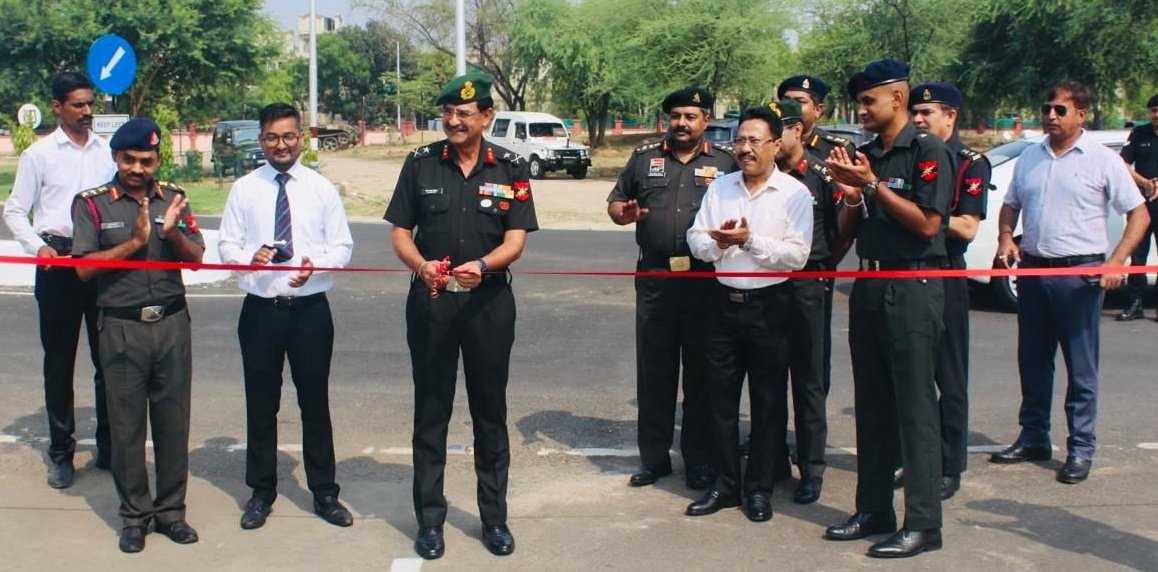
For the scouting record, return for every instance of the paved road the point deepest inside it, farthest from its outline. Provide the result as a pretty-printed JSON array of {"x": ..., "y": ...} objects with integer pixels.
[{"x": 572, "y": 417}]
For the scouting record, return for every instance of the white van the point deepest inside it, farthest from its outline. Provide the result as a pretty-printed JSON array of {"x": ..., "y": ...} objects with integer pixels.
[{"x": 543, "y": 140}]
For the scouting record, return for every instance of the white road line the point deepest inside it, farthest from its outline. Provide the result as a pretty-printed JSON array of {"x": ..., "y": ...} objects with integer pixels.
[
  {"x": 406, "y": 565},
  {"x": 1148, "y": 446},
  {"x": 190, "y": 296}
]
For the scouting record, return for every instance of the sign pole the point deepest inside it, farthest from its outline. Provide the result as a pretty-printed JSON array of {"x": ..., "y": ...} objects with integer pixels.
[{"x": 314, "y": 74}]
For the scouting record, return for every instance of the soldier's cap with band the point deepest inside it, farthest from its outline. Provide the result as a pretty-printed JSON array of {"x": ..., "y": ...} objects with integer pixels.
[
  {"x": 788, "y": 109},
  {"x": 937, "y": 92},
  {"x": 138, "y": 134},
  {"x": 467, "y": 88},
  {"x": 812, "y": 85},
  {"x": 689, "y": 97},
  {"x": 878, "y": 73},
  {"x": 1153, "y": 102}
]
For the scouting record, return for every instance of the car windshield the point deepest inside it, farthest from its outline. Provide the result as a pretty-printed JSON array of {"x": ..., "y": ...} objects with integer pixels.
[
  {"x": 246, "y": 135},
  {"x": 1009, "y": 151},
  {"x": 719, "y": 134},
  {"x": 548, "y": 130}
]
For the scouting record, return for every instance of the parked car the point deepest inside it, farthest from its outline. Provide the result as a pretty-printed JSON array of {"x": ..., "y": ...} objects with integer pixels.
[
  {"x": 543, "y": 140},
  {"x": 984, "y": 246},
  {"x": 236, "y": 147},
  {"x": 722, "y": 131}
]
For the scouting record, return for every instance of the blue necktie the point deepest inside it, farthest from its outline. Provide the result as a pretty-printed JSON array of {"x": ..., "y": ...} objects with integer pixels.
[{"x": 282, "y": 223}]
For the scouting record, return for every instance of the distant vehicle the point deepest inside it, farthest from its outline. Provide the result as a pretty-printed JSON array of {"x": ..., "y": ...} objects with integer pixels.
[
  {"x": 722, "y": 131},
  {"x": 338, "y": 137},
  {"x": 236, "y": 147},
  {"x": 984, "y": 245},
  {"x": 851, "y": 131},
  {"x": 543, "y": 140}
]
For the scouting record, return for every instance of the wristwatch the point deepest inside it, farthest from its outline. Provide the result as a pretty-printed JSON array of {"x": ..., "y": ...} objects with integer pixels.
[
  {"x": 483, "y": 266},
  {"x": 870, "y": 190}
]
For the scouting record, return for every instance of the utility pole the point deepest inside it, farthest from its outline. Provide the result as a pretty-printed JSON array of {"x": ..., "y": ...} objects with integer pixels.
[
  {"x": 398, "y": 86},
  {"x": 459, "y": 37},
  {"x": 314, "y": 74}
]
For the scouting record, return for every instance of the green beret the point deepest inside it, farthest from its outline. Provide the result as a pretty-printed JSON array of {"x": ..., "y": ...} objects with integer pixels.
[
  {"x": 788, "y": 110},
  {"x": 472, "y": 86}
]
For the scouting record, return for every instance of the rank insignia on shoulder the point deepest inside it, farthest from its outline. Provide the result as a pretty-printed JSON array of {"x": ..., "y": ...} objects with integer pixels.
[
  {"x": 646, "y": 147},
  {"x": 822, "y": 171},
  {"x": 422, "y": 151},
  {"x": 96, "y": 191}
]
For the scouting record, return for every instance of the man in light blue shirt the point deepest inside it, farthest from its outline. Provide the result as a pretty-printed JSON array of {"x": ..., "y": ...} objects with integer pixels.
[{"x": 1062, "y": 189}]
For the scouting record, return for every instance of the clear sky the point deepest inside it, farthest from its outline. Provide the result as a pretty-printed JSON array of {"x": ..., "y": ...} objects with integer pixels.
[{"x": 286, "y": 12}]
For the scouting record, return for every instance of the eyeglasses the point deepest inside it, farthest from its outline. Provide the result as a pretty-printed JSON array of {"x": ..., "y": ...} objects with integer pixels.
[
  {"x": 460, "y": 114},
  {"x": 1060, "y": 110},
  {"x": 290, "y": 139},
  {"x": 752, "y": 142}
]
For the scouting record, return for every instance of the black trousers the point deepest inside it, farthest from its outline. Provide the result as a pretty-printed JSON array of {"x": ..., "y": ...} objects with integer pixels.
[
  {"x": 952, "y": 376},
  {"x": 481, "y": 325},
  {"x": 748, "y": 336},
  {"x": 63, "y": 301},
  {"x": 270, "y": 333},
  {"x": 1136, "y": 283},
  {"x": 895, "y": 333},
  {"x": 148, "y": 369},
  {"x": 669, "y": 332},
  {"x": 810, "y": 351}
]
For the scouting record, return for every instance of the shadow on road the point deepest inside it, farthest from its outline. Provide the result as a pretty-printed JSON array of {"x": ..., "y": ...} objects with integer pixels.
[{"x": 224, "y": 468}]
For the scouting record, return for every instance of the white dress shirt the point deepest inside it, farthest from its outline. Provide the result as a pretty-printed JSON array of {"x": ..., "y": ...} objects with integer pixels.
[
  {"x": 50, "y": 174},
  {"x": 1063, "y": 199},
  {"x": 779, "y": 221},
  {"x": 318, "y": 222}
]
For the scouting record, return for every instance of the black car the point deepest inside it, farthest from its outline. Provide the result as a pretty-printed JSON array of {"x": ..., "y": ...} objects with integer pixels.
[{"x": 236, "y": 148}]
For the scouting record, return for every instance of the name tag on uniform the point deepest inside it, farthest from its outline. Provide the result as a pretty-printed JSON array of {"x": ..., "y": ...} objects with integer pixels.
[
  {"x": 707, "y": 172},
  {"x": 679, "y": 263},
  {"x": 656, "y": 167},
  {"x": 159, "y": 220},
  {"x": 112, "y": 225},
  {"x": 897, "y": 184},
  {"x": 425, "y": 192},
  {"x": 496, "y": 190}
]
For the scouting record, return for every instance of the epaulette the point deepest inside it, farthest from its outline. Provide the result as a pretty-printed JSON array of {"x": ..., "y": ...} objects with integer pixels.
[
  {"x": 725, "y": 148},
  {"x": 169, "y": 186},
  {"x": 821, "y": 170},
  {"x": 95, "y": 191},
  {"x": 422, "y": 151},
  {"x": 971, "y": 154},
  {"x": 511, "y": 157},
  {"x": 646, "y": 147},
  {"x": 837, "y": 139}
]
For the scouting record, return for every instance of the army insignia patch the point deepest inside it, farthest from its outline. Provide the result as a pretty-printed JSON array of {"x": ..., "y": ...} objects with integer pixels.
[
  {"x": 928, "y": 170},
  {"x": 927, "y": 95},
  {"x": 973, "y": 186},
  {"x": 775, "y": 107},
  {"x": 522, "y": 190},
  {"x": 467, "y": 91},
  {"x": 153, "y": 139},
  {"x": 656, "y": 167},
  {"x": 695, "y": 97},
  {"x": 837, "y": 196},
  {"x": 806, "y": 84}
]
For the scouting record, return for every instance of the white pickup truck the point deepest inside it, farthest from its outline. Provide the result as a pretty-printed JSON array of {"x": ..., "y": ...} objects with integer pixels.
[{"x": 543, "y": 140}]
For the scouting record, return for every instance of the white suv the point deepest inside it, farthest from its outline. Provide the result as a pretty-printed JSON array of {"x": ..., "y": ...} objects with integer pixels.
[{"x": 543, "y": 140}]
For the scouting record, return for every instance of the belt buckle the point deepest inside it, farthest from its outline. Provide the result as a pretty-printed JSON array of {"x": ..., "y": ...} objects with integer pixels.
[
  {"x": 736, "y": 297},
  {"x": 452, "y": 285},
  {"x": 150, "y": 314},
  {"x": 279, "y": 301}
]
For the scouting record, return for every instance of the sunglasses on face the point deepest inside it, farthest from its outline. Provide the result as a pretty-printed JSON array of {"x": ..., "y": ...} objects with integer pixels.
[{"x": 1060, "y": 110}]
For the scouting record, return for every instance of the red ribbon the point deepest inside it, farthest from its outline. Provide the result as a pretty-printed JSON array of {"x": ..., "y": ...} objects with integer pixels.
[{"x": 802, "y": 274}]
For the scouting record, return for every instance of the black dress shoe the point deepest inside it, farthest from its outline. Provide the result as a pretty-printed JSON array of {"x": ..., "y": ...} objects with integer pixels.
[
  {"x": 758, "y": 506},
  {"x": 256, "y": 512},
  {"x": 498, "y": 539},
  {"x": 906, "y": 543},
  {"x": 711, "y": 503},
  {"x": 1074, "y": 471},
  {"x": 132, "y": 539},
  {"x": 429, "y": 543},
  {"x": 179, "y": 532},
  {"x": 700, "y": 477},
  {"x": 862, "y": 524},
  {"x": 808, "y": 491},
  {"x": 1133, "y": 311},
  {"x": 332, "y": 511},
  {"x": 648, "y": 476},
  {"x": 103, "y": 461},
  {"x": 1017, "y": 453},
  {"x": 899, "y": 478},
  {"x": 61, "y": 475},
  {"x": 949, "y": 486}
]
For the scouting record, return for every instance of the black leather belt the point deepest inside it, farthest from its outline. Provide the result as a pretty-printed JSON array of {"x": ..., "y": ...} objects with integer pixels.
[
  {"x": 870, "y": 265},
  {"x": 648, "y": 261},
  {"x": 61, "y": 244},
  {"x": 287, "y": 301},
  {"x": 817, "y": 266},
  {"x": 1031, "y": 261},
  {"x": 740, "y": 296},
  {"x": 146, "y": 314}
]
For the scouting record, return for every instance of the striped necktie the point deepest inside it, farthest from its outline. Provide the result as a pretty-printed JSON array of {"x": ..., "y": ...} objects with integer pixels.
[{"x": 282, "y": 223}]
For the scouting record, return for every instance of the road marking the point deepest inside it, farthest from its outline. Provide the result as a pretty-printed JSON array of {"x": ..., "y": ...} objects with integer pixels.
[
  {"x": 1148, "y": 446},
  {"x": 191, "y": 296},
  {"x": 406, "y": 565}
]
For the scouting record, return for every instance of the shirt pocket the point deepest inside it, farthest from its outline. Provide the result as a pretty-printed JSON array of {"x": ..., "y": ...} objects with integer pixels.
[
  {"x": 433, "y": 205},
  {"x": 654, "y": 193},
  {"x": 110, "y": 237},
  {"x": 491, "y": 215}
]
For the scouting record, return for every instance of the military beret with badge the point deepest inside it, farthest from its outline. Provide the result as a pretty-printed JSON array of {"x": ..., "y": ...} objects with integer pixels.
[
  {"x": 137, "y": 134},
  {"x": 689, "y": 97},
  {"x": 878, "y": 73},
  {"x": 812, "y": 85},
  {"x": 937, "y": 92},
  {"x": 467, "y": 88}
]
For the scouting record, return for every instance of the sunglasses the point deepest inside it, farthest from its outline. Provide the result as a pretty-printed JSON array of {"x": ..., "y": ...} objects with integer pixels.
[{"x": 1060, "y": 110}]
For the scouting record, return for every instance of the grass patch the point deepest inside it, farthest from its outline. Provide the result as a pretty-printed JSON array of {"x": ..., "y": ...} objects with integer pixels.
[
  {"x": 7, "y": 175},
  {"x": 207, "y": 196}
]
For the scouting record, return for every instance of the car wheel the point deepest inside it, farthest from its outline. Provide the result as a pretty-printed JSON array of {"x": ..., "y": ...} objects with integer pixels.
[
  {"x": 1005, "y": 289},
  {"x": 579, "y": 172},
  {"x": 536, "y": 167},
  {"x": 330, "y": 144}
]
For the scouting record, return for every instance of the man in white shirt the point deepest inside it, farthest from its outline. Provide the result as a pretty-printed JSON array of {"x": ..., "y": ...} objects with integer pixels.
[
  {"x": 286, "y": 213},
  {"x": 51, "y": 173},
  {"x": 754, "y": 220},
  {"x": 1062, "y": 189}
]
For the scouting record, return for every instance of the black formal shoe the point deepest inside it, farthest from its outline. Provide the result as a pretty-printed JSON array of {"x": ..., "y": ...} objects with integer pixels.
[
  {"x": 949, "y": 486},
  {"x": 1133, "y": 311},
  {"x": 429, "y": 543},
  {"x": 758, "y": 506},
  {"x": 1074, "y": 471},
  {"x": 103, "y": 461},
  {"x": 332, "y": 511},
  {"x": 862, "y": 524},
  {"x": 132, "y": 539},
  {"x": 179, "y": 532},
  {"x": 1018, "y": 453},
  {"x": 648, "y": 476},
  {"x": 899, "y": 478},
  {"x": 700, "y": 477},
  {"x": 711, "y": 503},
  {"x": 498, "y": 539},
  {"x": 256, "y": 512},
  {"x": 60, "y": 475},
  {"x": 808, "y": 491},
  {"x": 905, "y": 543}
]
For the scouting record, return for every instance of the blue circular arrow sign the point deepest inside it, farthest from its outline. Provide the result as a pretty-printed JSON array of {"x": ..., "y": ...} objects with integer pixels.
[{"x": 112, "y": 64}]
